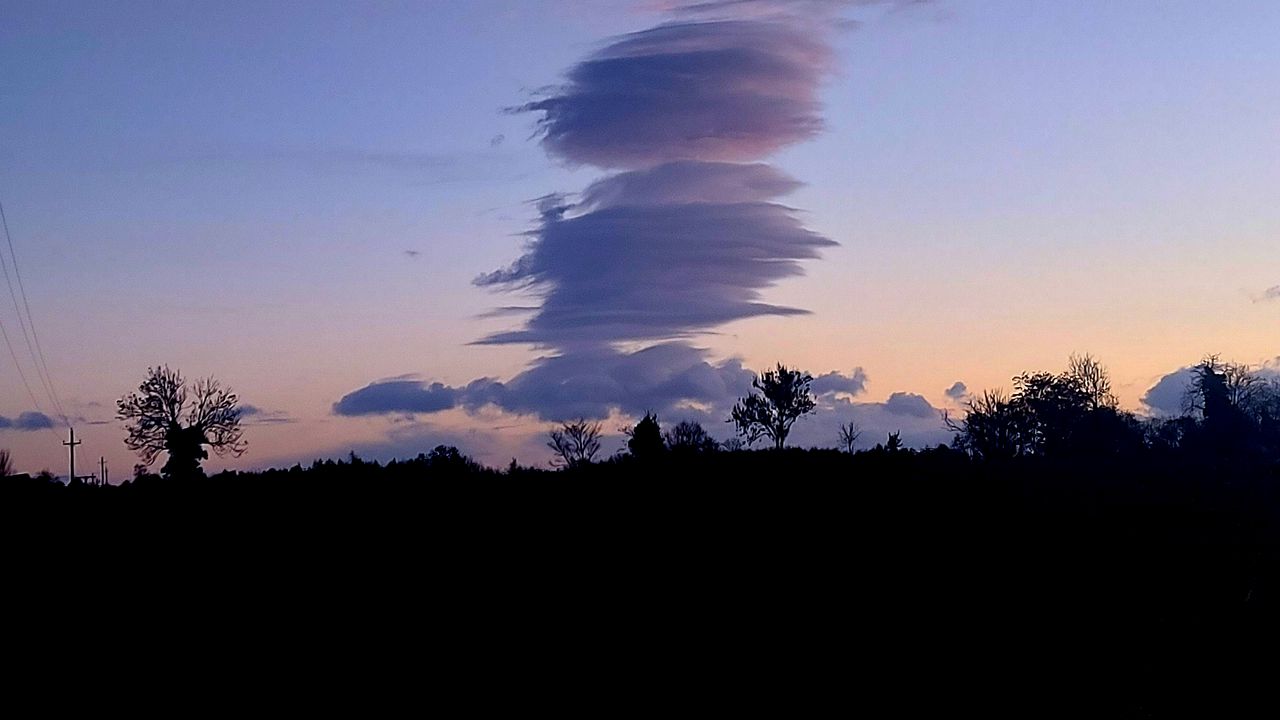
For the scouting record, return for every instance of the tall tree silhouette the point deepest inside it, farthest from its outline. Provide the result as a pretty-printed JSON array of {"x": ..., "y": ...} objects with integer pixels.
[
  {"x": 1092, "y": 379},
  {"x": 160, "y": 420},
  {"x": 784, "y": 397},
  {"x": 1238, "y": 409}
]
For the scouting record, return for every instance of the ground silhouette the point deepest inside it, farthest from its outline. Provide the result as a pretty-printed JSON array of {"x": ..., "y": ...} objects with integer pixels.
[{"x": 1061, "y": 557}]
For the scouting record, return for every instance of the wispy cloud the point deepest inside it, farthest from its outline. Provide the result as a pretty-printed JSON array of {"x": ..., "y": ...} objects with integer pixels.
[{"x": 254, "y": 415}]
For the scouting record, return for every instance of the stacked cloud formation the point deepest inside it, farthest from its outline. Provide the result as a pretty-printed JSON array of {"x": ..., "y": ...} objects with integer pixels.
[
  {"x": 659, "y": 253},
  {"x": 683, "y": 238}
]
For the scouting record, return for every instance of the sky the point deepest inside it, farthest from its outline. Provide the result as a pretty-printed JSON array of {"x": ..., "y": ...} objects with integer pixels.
[{"x": 393, "y": 225}]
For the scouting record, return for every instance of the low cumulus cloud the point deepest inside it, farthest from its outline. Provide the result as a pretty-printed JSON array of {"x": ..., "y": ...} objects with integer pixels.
[
  {"x": 672, "y": 379},
  {"x": 919, "y": 423},
  {"x": 1166, "y": 398},
  {"x": 486, "y": 446},
  {"x": 910, "y": 404},
  {"x": 835, "y": 382},
  {"x": 494, "y": 447},
  {"x": 26, "y": 422},
  {"x": 958, "y": 392}
]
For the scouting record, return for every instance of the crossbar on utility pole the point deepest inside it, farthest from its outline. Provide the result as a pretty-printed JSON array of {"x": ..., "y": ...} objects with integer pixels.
[{"x": 71, "y": 446}]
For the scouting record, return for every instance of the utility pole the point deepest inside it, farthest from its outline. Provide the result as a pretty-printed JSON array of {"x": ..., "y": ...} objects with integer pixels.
[
  {"x": 102, "y": 463},
  {"x": 71, "y": 445}
]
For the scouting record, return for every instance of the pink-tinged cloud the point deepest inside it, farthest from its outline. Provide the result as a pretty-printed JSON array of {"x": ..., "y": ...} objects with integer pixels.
[
  {"x": 690, "y": 182},
  {"x": 731, "y": 90}
]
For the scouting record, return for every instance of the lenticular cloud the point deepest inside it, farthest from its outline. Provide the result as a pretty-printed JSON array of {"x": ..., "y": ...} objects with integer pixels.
[
  {"x": 683, "y": 241},
  {"x": 658, "y": 254},
  {"x": 687, "y": 235},
  {"x": 715, "y": 90}
]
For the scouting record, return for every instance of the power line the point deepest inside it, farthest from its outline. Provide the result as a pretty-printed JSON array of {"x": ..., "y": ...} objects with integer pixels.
[
  {"x": 23, "y": 375},
  {"x": 36, "y": 352},
  {"x": 30, "y": 320}
]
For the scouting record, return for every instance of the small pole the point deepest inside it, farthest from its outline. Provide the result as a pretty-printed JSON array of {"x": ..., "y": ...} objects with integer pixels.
[
  {"x": 102, "y": 463},
  {"x": 71, "y": 444}
]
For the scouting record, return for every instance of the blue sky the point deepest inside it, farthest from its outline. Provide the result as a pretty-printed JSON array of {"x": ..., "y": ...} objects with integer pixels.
[{"x": 232, "y": 188}]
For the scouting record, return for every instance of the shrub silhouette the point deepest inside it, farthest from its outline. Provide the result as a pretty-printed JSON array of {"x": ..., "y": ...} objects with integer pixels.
[
  {"x": 689, "y": 436},
  {"x": 644, "y": 440}
]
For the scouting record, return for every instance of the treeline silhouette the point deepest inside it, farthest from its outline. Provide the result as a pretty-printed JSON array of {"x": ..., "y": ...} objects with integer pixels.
[{"x": 1057, "y": 541}]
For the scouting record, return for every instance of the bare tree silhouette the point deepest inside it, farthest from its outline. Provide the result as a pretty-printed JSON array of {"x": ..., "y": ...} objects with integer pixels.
[
  {"x": 1094, "y": 380},
  {"x": 849, "y": 434},
  {"x": 160, "y": 420},
  {"x": 575, "y": 443}
]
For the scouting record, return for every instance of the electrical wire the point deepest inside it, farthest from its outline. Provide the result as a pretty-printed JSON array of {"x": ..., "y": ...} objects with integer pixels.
[
  {"x": 34, "y": 349},
  {"x": 30, "y": 393}
]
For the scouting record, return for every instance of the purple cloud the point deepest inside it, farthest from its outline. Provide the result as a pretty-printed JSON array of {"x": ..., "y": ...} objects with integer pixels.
[
  {"x": 645, "y": 263},
  {"x": 685, "y": 239},
  {"x": 672, "y": 379},
  {"x": 27, "y": 422},
  {"x": 833, "y": 382},
  {"x": 723, "y": 90},
  {"x": 904, "y": 403},
  {"x": 391, "y": 396},
  {"x": 919, "y": 422},
  {"x": 1169, "y": 395}
]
